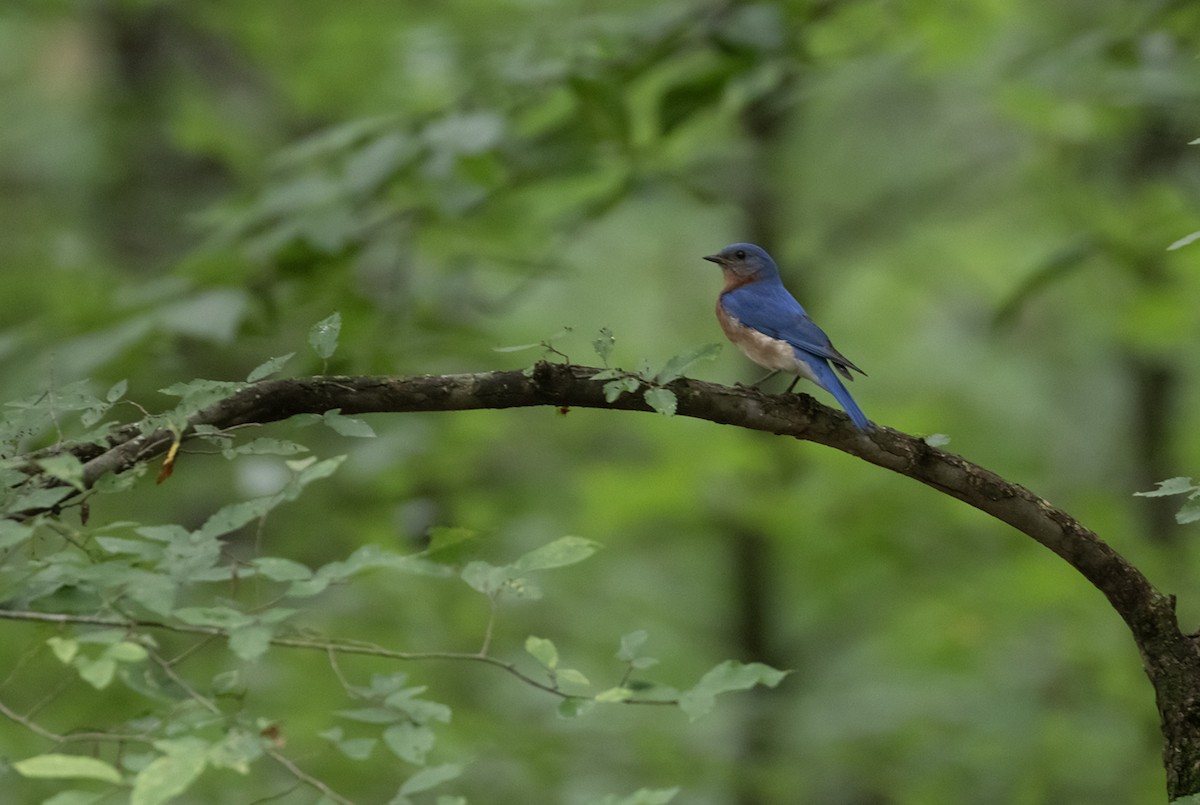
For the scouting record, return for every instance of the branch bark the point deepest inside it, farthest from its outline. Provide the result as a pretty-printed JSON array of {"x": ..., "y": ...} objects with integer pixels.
[{"x": 1170, "y": 658}]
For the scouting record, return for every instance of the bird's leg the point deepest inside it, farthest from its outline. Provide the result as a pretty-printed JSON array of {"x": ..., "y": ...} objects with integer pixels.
[
  {"x": 760, "y": 381},
  {"x": 765, "y": 378},
  {"x": 792, "y": 385}
]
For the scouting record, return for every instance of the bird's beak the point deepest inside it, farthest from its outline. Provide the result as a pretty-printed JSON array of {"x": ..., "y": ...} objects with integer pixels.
[{"x": 715, "y": 258}]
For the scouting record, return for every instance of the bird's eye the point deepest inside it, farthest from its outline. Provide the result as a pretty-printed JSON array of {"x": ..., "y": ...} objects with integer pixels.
[{"x": 740, "y": 254}]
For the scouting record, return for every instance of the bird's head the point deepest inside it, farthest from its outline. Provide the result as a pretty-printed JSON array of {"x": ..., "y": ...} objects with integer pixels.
[{"x": 744, "y": 263}]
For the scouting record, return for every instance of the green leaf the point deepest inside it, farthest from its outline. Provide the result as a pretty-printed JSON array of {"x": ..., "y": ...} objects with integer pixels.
[
  {"x": 277, "y": 569},
  {"x": 563, "y": 551},
  {"x": 126, "y": 651},
  {"x": 661, "y": 400},
  {"x": 163, "y": 533},
  {"x": 1171, "y": 486},
  {"x": 40, "y": 498},
  {"x": 409, "y": 741},
  {"x": 615, "y": 388},
  {"x": 59, "y": 767},
  {"x": 197, "y": 394},
  {"x": 65, "y": 467},
  {"x": 419, "y": 711},
  {"x": 97, "y": 673},
  {"x": 1189, "y": 512},
  {"x": 309, "y": 470},
  {"x": 630, "y": 644},
  {"x": 266, "y": 447},
  {"x": 250, "y": 642},
  {"x": 371, "y": 715},
  {"x": 727, "y": 676},
  {"x": 348, "y": 426},
  {"x": 64, "y": 649},
  {"x": 618, "y": 694},
  {"x": 147, "y": 551},
  {"x": 368, "y": 557},
  {"x": 268, "y": 368},
  {"x": 679, "y": 364},
  {"x": 575, "y": 707},
  {"x": 110, "y": 483},
  {"x": 357, "y": 748},
  {"x": 233, "y": 516},
  {"x": 13, "y": 533},
  {"x": 323, "y": 337},
  {"x": 172, "y": 774},
  {"x": 570, "y": 676},
  {"x": 603, "y": 344},
  {"x": 236, "y": 751},
  {"x": 219, "y": 617},
  {"x": 155, "y": 592},
  {"x": 543, "y": 651},
  {"x": 450, "y": 545},
  {"x": 117, "y": 391},
  {"x": 629, "y": 650},
  {"x": 431, "y": 777}
]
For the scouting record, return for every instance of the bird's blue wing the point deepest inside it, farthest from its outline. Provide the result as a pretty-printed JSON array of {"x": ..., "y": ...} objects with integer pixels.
[
  {"x": 830, "y": 382},
  {"x": 770, "y": 309}
]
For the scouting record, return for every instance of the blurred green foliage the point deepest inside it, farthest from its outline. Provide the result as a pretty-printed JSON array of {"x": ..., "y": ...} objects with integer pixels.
[{"x": 974, "y": 199}]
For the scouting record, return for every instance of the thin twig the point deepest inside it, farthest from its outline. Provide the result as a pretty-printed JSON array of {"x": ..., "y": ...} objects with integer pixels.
[
  {"x": 312, "y": 644},
  {"x": 279, "y": 757},
  {"x": 205, "y": 702},
  {"x": 70, "y": 737},
  {"x": 487, "y": 632},
  {"x": 305, "y": 777}
]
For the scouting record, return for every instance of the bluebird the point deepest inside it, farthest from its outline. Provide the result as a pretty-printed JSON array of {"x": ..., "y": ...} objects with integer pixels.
[{"x": 768, "y": 325}]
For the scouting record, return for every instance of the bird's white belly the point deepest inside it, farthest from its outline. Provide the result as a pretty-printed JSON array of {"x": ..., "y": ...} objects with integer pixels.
[{"x": 767, "y": 352}]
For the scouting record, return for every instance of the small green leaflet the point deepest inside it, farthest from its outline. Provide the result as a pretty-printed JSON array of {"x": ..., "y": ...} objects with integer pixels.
[
  {"x": 117, "y": 391},
  {"x": 727, "y": 676},
  {"x": 1190, "y": 511},
  {"x": 409, "y": 741},
  {"x": 543, "y": 651},
  {"x": 268, "y": 368},
  {"x": 662, "y": 400},
  {"x": 172, "y": 774},
  {"x": 679, "y": 364},
  {"x": 1172, "y": 486},
  {"x": 615, "y": 388},
  {"x": 347, "y": 426},
  {"x": 431, "y": 777},
  {"x": 563, "y": 551},
  {"x": 323, "y": 337},
  {"x": 57, "y": 767},
  {"x": 603, "y": 344},
  {"x": 65, "y": 467}
]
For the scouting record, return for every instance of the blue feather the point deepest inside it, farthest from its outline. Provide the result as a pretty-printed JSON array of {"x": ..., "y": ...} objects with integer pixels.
[
  {"x": 833, "y": 384},
  {"x": 754, "y": 298}
]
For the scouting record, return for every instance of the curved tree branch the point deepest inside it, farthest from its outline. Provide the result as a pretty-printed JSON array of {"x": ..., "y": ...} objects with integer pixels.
[{"x": 1171, "y": 659}]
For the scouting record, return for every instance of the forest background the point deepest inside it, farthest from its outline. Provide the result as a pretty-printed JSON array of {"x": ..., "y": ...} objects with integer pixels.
[{"x": 975, "y": 200}]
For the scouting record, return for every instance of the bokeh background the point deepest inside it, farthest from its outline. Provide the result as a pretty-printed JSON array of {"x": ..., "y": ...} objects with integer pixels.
[{"x": 975, "y": 199}]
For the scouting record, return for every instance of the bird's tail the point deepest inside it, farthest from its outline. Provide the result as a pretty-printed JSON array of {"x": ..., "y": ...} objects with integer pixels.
[{"x": 831, "y": 383}]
